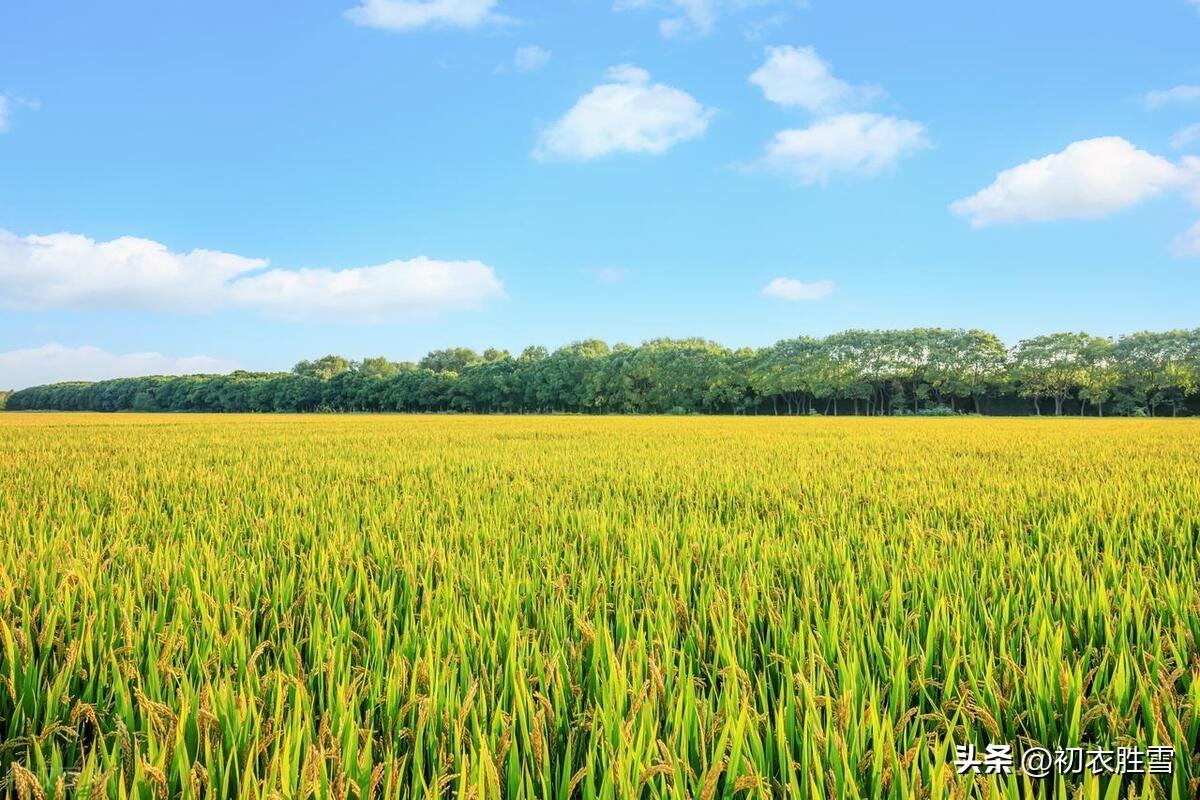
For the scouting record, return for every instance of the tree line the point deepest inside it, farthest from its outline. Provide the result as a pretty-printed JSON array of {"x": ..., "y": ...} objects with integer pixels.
[{"x": 925, "y": 371}]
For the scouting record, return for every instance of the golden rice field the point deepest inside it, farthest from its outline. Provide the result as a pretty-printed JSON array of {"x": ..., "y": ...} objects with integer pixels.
[{"x": 532, "y": 607}]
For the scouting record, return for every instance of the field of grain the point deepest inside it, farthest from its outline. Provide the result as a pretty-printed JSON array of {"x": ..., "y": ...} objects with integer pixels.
[{"x": 533, "y": 607}]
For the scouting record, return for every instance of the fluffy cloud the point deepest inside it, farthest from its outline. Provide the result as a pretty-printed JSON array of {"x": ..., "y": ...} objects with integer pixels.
[
  {"x": 395, "y": 290},
  {"x": 54, "y": 363},
  {"x": 797, "y": 76},
  {"x": 860, "y": 144},
  {"x": 407, "y": 15},
  {"x": 1186, "y": 137},
  {"x": 792, "y": 289},
  {"x": 1090, "y": 178},
  {"x": 1172, "y": 96},
  {"x": 66, "y": 270},
  {"x": 839, "y": 142},
  {"x": 531, "y": 58},
  {"x": 628, "y": 114},
  {"x": 1187, "y": 244}
]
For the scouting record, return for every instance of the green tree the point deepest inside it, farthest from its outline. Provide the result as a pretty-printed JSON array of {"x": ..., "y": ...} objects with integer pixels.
[
  {"x": 454, "y": 359},
  {"x": 323, "y": 368},
  {"x": 1052, "y": 366}
]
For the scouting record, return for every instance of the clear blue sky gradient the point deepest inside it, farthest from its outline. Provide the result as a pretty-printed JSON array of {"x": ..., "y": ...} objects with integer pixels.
[{"x": 282, "y": 130}]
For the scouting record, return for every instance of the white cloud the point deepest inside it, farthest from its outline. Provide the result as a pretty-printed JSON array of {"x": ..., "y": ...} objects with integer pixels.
[
  {"x": 1187, "y": 244},
  {"x": 1186, "y": 137},
  {"x": 54, "y": 363},
  {"x": 395, "y": 290},
  {"x": 629, "y": 114},
  {"x": 531, "y": 58},
  {"x": 692, "y": 16},
  {"x": 406, "y": 15},
  {"x": 858, "y": 144},
  {"x": 1174, "y": 95},
  {"x": 3, "y": 113},
  {"x": 792, "y": 289},
  {"x": 797, "y": 76},
  {"x": 66, "y": 270},
  {"x": 1090, "y": 178},
  {"x": 839, "y": 142}
]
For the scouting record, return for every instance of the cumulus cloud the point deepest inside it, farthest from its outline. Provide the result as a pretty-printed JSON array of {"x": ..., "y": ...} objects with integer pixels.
[
  {"x": 798, "y": 77},
  {"x": 792, "y": 289},
  {"x": 531, "y": 58},
  {"x": 66, "y": 270},
  {"x": 1187, "y": 244},
  {"x": 407, "y": 15},
  {"x": 55, "y": 363},
  {"x": 395, "y": 290},
  {"x": 1173, "y": 96},
  {"x": 1186, "y": 137},
  {"x": 629, "y": 114},
  {"x": 1090, "y": 178},
  {"x": 858, "y": 144}
]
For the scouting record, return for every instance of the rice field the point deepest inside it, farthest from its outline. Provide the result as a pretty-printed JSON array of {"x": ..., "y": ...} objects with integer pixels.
[{"x": 567, "y": 607}]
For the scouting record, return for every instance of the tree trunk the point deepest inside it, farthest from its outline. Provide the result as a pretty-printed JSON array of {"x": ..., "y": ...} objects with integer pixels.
[
  {"x": 1037, "y": 406},
  {"x": 1058, "y": 403}
]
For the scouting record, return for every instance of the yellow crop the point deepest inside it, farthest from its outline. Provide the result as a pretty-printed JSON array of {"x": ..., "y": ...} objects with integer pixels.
[{"x": 533, "y": 607}]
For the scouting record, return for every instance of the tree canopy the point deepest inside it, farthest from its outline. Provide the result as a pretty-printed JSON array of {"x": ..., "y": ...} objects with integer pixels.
[{"x": 911, "y": 371}]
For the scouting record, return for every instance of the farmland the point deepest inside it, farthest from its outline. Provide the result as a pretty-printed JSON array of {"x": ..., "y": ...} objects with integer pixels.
[{"x": 554, "y": 607}]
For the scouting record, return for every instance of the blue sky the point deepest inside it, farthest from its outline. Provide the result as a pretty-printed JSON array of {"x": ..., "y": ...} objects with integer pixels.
[{"x": 210, "y": 185}]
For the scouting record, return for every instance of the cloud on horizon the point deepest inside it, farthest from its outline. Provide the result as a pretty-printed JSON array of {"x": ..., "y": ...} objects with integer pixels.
[
  {"x": 56, "y": 363},
  {"x": 792, "y": 289},
  {"x": 70, "y": 271}
]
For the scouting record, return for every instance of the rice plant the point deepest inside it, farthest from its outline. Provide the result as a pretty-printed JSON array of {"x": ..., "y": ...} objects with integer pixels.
[{"x": 532, "y": 607}]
